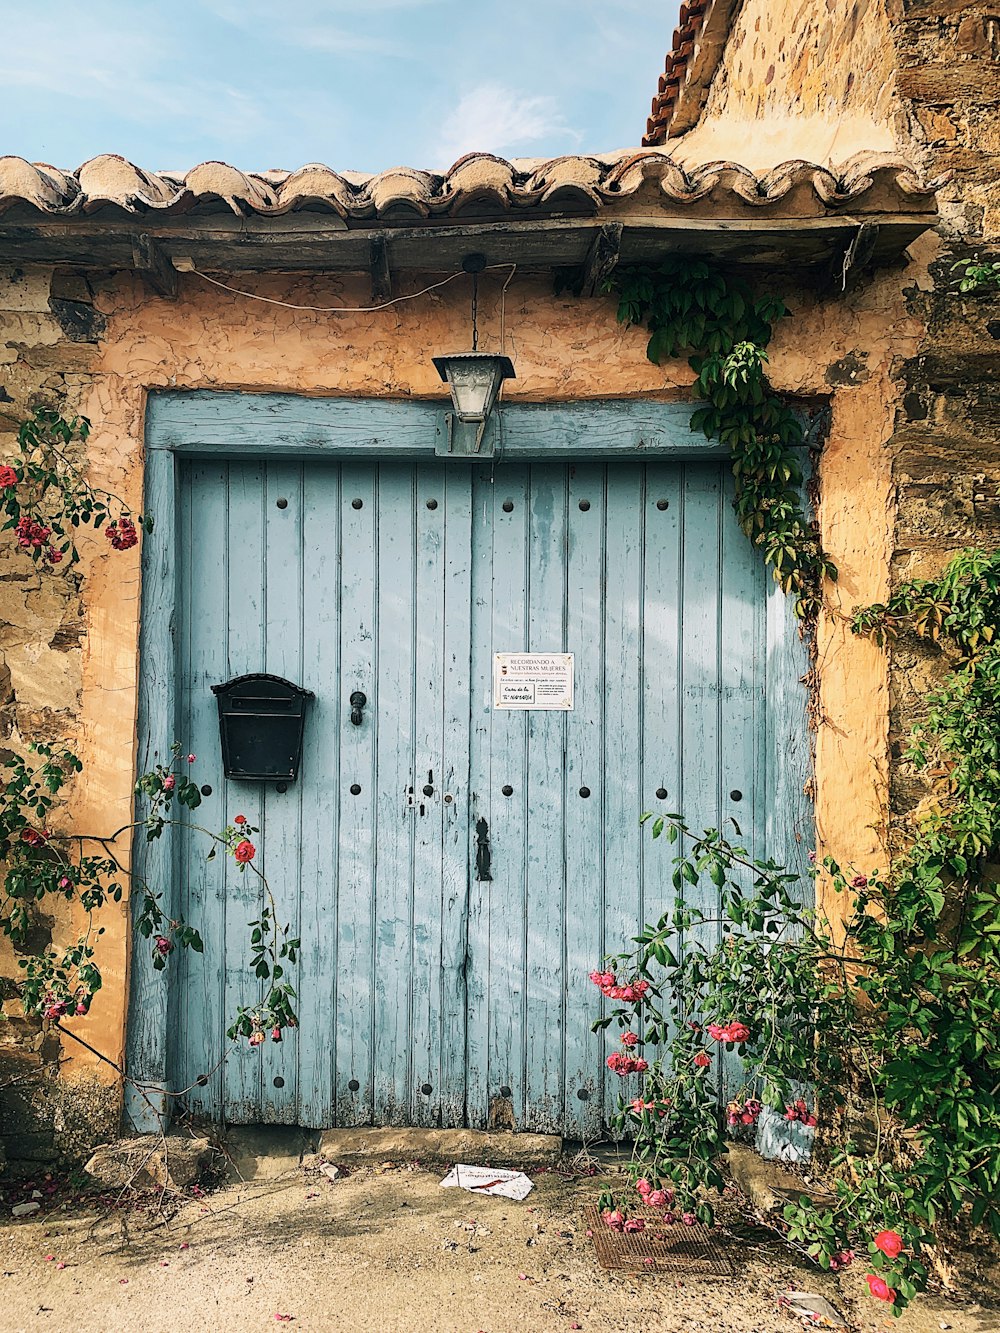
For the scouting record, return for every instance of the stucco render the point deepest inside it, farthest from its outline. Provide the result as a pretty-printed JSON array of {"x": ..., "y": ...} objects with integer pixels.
[
  {"x": 72, "y": 654},
  {"x": 799, "y": 79}
]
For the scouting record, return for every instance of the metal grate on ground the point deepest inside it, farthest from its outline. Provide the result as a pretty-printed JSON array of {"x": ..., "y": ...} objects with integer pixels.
[{"x": 659, "y": 1248}]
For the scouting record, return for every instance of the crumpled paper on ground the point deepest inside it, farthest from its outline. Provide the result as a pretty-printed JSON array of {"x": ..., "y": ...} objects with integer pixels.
[
  {"x": 489, "y": 1180},
  {"x": 817, "y": 1309}
]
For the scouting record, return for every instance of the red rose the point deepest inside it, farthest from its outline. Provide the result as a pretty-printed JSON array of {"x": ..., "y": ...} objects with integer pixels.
[
  {"x": 630, "y": 1039},
  {"x": 879, "y": 1288},
  {"x": 889, "y": 1242},
  {"x": 239, "y": 819},
  {"x": 276, "y": 1034},
  {"x": 33, "y": 838},
  {"x": 8, "y": 477},
  {"x": 122, "y": 535},
  {"x": 702, "y": 1059},
  {"x": 245, "y": 851},
  {"x": 860, "y": 882}
]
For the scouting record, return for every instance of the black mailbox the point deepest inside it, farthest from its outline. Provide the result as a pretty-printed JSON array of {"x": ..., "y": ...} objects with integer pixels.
[{"x": 261, "y": 721}]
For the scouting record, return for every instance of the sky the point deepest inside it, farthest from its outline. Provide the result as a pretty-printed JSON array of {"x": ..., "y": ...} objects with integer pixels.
[{"x": 358, "y": 84}]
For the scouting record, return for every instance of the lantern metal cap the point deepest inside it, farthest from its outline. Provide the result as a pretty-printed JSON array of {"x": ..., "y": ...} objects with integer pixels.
[{"x": 503, "y": 363}]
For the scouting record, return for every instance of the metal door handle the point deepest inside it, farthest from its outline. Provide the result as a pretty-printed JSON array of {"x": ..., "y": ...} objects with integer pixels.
[
  {"x": 357, "y": 702},
  {"x": 484, "y": 855}
]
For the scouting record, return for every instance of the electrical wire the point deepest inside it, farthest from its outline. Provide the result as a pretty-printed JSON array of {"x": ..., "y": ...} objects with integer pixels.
[{"x": 354, "y": 309}]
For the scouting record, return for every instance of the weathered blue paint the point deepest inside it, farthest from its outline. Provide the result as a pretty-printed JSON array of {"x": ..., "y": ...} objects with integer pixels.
[{"x": 414, "y": 974}]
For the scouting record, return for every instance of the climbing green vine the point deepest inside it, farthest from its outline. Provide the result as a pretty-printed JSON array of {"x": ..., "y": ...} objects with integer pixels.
[{"x": 692, "y": 309}]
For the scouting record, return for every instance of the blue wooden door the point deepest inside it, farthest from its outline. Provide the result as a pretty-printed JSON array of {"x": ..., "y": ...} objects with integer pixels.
[{"x": 430, "y": 994}]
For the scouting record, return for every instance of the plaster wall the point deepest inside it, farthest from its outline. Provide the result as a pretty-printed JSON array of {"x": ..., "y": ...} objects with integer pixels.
[
  {"x": 799, "y": 80},
  {"x": 71, "y": 651}
]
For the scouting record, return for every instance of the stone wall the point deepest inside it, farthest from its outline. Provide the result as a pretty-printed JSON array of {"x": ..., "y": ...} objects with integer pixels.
[
  {"x": 946, "y": 445},
  {"x": 49, "y": 331}
]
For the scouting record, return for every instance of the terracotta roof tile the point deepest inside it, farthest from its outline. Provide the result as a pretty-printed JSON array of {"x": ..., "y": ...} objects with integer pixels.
[
  {"x": 690, "y": 64},
  {"x": 479, "y": 183}
]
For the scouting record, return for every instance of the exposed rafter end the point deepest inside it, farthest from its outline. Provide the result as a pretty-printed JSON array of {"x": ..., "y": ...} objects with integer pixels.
[
  {"x": 381, "y": 275},
  {"x": 153, "y": 263},
  {"x": 857, "y": 255},
  {"x": 602, "y": 258}
]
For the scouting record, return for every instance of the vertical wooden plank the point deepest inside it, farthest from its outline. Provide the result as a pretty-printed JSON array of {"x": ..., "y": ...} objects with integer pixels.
[
  {"x": 742, "y": 797},
  {"x": 508, "y": 825},
  {"x": 319, "y": 784},
  {"x": 358, "y": 655},
  {"x": 742, "y": 677},
  {"x": 619, "y": 787},
  {"x": 284, "y": 831},
  {"x": 585, "y": 865},
  {"x": 661, "y": 705},
  {"x": 397, "y": 629},
  {"x": 479, "y": 802},
  {"x": 428, "y": 758},
  {"x": 246, "y": 616},
  {"x": 545, "y": 882},
  {"x": 790, "y": 831},
  {"x": 202, "y": 1018},
  {"x": 457, "y": 832},
  {"x": 148, "y": 1058}
]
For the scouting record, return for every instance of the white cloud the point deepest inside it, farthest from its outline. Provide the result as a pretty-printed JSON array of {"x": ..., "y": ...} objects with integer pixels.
[{"x": 497, "y": 119}]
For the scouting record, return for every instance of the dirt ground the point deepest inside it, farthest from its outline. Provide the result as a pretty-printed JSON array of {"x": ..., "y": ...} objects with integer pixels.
[{"x": 387, "y": 1250}]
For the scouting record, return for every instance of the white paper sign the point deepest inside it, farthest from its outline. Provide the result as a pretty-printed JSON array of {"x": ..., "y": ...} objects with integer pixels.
[{"x": 533, "y": 680}]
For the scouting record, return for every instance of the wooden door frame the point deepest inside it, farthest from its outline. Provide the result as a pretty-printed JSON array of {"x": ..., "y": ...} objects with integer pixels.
[{"x": 227, "y": 424}]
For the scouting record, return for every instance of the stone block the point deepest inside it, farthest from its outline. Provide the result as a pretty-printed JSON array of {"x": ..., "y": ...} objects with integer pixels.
[
  {"x": 978, "y": 35},
  {"x": 767, "y": 1185},
  {"x": 474, "y": 1146},
  {"x": 173, "y": 1162},
  {"x": 25, "y": 289}
]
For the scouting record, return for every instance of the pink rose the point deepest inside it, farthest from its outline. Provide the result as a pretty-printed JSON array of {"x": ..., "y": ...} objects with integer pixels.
[
  {"x": 860, "y": 882},
  {"x": 702, "y": 1059},
  {"x": 256, "y": 1038},
  {"x": 169, "y": 782},
  {"x": 657, "y": 1199},
  {"x": 630, "y": 1039}
]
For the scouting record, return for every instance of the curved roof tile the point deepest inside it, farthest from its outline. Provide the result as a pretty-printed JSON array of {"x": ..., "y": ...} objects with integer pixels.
[{"x": 642, "y": 177}]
